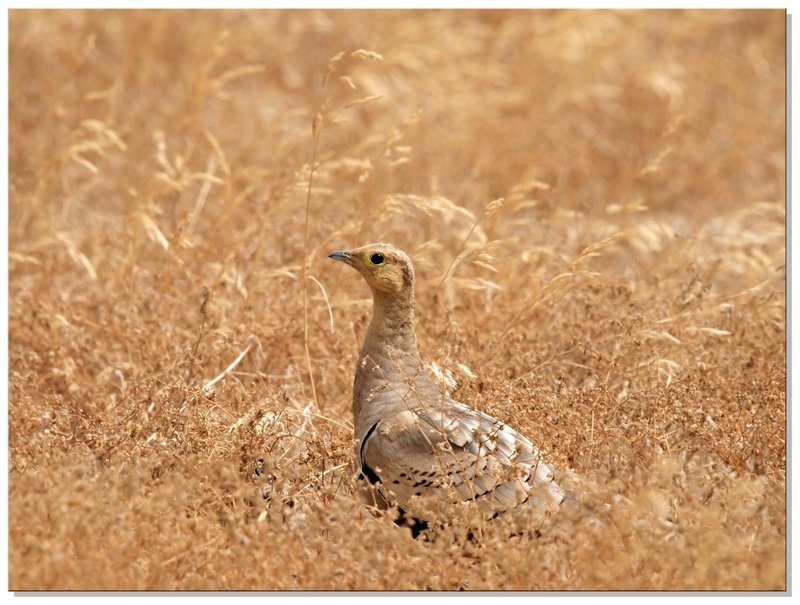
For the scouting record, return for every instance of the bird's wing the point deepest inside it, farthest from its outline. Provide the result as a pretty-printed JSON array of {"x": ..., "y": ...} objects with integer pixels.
[{"x": 456, "y": 453}]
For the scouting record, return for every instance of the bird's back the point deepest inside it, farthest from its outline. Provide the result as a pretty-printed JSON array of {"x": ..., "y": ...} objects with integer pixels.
[{"x": 420, "y": 447}]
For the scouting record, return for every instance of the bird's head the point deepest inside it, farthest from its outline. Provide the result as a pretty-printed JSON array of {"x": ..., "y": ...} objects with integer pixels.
[{"x": 386, "y": 269}]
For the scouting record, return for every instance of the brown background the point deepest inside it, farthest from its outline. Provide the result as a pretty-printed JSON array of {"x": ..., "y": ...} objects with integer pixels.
[{"x": 624, "y": 308}]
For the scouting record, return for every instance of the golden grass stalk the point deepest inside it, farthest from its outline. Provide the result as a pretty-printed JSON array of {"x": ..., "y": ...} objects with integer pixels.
[
  {"x": 316, "y": 128},
  {"x": 557, "y": 287},
  {"x": 490, "y": 209},
  {"x": 320, "y": 118}
]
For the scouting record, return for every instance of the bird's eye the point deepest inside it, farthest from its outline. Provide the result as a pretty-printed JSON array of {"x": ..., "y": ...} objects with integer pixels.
[{"x": 376, "y": 259}]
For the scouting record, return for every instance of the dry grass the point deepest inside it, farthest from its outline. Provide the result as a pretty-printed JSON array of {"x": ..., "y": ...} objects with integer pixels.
[{"x": 625, "y": 307}]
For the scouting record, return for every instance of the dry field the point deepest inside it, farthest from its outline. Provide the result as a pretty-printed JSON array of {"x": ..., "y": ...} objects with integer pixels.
[{"x": 176, "y": 181}]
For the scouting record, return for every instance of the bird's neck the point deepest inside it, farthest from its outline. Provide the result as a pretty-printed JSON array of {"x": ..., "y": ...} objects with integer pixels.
[
  {"x": 389, "y": 374},
  {"x": 392, "y": 323}
]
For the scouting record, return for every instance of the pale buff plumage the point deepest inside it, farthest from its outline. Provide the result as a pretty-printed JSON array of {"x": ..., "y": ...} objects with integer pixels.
[{"x": 412, "y": 441}]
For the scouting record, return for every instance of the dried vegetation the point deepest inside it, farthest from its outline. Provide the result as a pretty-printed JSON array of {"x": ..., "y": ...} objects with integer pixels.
[{"x": 181, "y": 350}]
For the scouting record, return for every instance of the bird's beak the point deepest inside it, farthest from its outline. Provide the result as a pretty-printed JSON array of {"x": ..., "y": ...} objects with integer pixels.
[{"x": 341, "y": 255}]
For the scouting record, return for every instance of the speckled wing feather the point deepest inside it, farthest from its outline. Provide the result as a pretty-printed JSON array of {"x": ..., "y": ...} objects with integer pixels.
[{"x": 457, "y": 454}]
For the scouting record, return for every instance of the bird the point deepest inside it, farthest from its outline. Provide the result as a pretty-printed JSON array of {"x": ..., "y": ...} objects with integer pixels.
[{"x": 413, "y": 442}]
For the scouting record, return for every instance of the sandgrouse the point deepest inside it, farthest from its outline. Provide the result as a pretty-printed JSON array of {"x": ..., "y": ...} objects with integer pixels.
[{"x": 413, "y": 441}]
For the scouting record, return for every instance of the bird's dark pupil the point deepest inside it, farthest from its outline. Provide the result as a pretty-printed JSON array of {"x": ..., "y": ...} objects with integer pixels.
[{"x": 376, "y": 259}]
